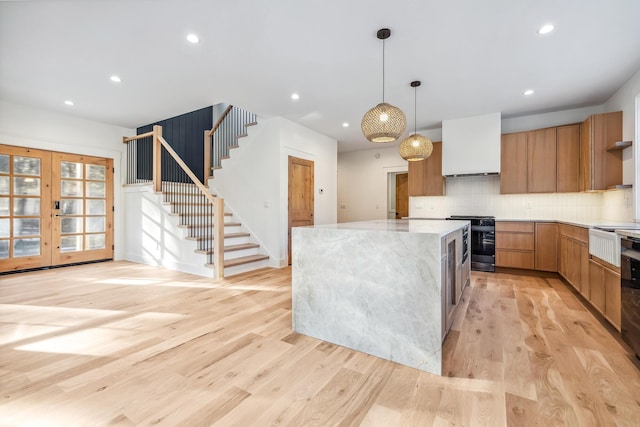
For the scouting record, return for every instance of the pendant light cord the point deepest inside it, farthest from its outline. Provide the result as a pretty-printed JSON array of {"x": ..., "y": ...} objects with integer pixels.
[
  {"x": 382, "y": 70},
  {"x": 415, "y": 110}
]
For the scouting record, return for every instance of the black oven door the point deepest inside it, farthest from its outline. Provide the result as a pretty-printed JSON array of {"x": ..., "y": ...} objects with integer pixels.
[
  {"x": 630, "y": 292},
  {"x": 483, "y": 247}
]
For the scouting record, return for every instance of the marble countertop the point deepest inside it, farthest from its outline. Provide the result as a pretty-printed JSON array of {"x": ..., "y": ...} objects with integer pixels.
[
  {"x": 629, "y": 233},
  {"x": 586, "y": 223},
  {"x": 439, "y": 227}
]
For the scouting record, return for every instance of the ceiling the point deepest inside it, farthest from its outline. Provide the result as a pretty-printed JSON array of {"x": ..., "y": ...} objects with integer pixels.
[{"x": 472, "y": 58}]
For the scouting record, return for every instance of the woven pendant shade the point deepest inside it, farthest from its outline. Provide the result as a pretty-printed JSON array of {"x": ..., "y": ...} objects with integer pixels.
[
  {"x": 383, "y": 123},
  {"x": 416, "y": 147}
]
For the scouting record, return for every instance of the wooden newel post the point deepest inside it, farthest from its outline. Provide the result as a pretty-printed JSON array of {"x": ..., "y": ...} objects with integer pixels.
[
  {"x": 157, "y": 159},
  {"x": 218, "y": 239},
  {"x": 207, "y": 157}
]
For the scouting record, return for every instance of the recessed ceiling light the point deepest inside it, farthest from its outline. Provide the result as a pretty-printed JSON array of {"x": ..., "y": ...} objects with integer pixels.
[
  {"x": 345, "y": 125},
  {"x": 193, "y": 38},
  {"x": 115, "y": 79},
  {"x": 528, "y": 92},
  {"x": 545, "y": 29},
  {"x": 69, "y": 103},
  {"x": 295, "y": 96}
]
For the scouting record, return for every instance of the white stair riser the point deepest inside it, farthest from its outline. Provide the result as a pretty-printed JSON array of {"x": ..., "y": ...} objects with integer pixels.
[
  {"x": 230, "y": 271},
  {"x": 241, "y": 253}
]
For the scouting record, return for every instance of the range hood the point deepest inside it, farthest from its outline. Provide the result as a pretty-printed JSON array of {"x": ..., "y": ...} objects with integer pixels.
[{"x": 471, "y": 145}]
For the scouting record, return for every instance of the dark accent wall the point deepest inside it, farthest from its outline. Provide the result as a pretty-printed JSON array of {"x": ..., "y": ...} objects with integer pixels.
[{"x": 185, "y": 134}]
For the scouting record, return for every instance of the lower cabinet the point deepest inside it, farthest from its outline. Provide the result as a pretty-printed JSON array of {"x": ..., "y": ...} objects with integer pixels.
[
  {"x": 515, "y": 244},
  {"x": 605, "y": 290},
  {"x": 527, "y": 245},
  {"x": 573, "y": 257}
]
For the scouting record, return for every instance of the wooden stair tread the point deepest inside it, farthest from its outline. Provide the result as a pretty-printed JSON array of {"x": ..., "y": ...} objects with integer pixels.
[
  {"x": 226, "y": 236},
  {"x": 244, "y": 260},
  {"x": 189, "y": 226},
  {"x": 230, "y": 248}
]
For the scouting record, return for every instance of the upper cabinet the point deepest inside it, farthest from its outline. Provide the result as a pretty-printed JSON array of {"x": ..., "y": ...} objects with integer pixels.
[
  {"x": 513, "y": 162},
  {"x": 425, "y": 176},
  {"x": 600, "y": 169},
  {"x": 568, "y": 159},
  {"x": 540, "y": 161}
]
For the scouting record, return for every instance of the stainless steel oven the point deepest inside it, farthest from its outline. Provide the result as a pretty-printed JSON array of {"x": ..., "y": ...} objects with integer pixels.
[
  {"x": 482, "y": 237},
  {"x": 630, "y": 291}
]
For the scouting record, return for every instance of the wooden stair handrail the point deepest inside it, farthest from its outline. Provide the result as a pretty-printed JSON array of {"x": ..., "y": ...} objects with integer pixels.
[
  {"x": 207, "y": 142},
  {"x": 220, "y": 120},
  {"x": 126, "y": 139}
]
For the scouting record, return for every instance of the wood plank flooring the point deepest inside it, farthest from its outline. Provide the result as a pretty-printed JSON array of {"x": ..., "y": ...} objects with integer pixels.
[{"x": 123, "y": 344}]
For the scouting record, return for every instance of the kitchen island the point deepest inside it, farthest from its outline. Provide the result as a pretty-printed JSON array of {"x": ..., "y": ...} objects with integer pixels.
[{"x": 387, "y": 288}]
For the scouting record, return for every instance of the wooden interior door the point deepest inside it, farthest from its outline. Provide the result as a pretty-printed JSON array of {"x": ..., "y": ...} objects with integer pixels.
[
  {"x": 402, "y": 195},
  {"x": 25, "y": 216},
  {"x": 301, "y": 202},
  {"x": 82, "y": 204}
]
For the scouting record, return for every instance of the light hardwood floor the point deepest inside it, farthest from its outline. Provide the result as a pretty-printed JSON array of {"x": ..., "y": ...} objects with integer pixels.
[{"x": 126, "y": 344}]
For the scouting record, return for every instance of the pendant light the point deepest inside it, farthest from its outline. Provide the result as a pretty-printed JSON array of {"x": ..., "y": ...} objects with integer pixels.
[
  {"x": 384, "y": 122},
  {"x": 415, "y": 147}
]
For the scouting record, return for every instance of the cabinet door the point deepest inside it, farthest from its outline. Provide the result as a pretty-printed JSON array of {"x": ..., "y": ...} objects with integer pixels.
[
  {"x": 416, "y": 178},
  {"x": 586, "y": 182},
  {"x": 546, "y": 247},
  {"x": 425, "y": 176},
  {"x": 434, "y": 181},
  {"x": 513, "y": 163},
  {"x": 563, "y": 255},
  {"x": 541, "y": 161},
  {"x": 585, "y": 280},
  {"x": 612, "y": 297},
  {"x": 568, "y": 152},
  {"x": 596, "y": 280}
]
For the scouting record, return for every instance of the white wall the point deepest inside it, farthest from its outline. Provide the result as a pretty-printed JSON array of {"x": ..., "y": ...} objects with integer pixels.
[
  {"x": 254, "y": 180},
  {"x": 625, "y": 100},
  {"x": 31, "y": 127},
  {"x": 362, "y": 182}
]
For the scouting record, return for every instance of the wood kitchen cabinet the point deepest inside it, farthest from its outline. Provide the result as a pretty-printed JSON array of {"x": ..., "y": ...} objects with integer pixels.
[
  {"x": 541, "y": 161},
  {"x": 425, "y": 176},
  {"x": 599, "y": 168},
  {"x": 546, "y": 249},
  {"x": 513, "y": 162},
  {"x": 605, "y": 290},
  {"x": 568, "y": 159},
  {"x": 573, "y": 263},
  {"x": 515, "y": 244}
]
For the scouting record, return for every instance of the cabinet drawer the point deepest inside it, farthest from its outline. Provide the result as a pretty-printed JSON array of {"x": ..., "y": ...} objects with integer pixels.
[
  {"x": 577, "y": 233},
  {"x": 515, "y": 259},
  {"x": 518, "y": 226},
  {"x": 517, "y": 241}
]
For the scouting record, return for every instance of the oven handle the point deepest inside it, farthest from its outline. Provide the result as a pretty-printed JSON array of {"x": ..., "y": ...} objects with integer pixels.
[{"x": 491, "y": 228}]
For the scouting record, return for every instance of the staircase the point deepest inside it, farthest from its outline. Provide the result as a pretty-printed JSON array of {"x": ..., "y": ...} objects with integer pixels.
[
  {"x": 241, "y": 252},
  {"x": 191, "y": 213}
]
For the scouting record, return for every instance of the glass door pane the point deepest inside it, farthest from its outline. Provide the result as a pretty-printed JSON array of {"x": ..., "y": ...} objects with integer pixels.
[{"x": 25, "y": 214}]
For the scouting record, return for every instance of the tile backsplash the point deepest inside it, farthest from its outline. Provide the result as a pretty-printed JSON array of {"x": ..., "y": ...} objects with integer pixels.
[{"x": 480, "y": 195}]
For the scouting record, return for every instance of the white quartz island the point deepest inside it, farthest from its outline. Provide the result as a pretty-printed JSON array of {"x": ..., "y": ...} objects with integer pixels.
[{"x": 377, "y": 286}]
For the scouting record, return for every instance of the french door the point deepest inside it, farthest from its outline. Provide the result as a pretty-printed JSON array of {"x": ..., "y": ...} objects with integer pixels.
[{"x": 55, "y": 208}]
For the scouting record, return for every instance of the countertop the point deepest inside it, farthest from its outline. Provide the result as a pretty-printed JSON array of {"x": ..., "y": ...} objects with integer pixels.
[
  {"x": 439, "y": 227},
  {"x": 629, "y": 233},
  {"x": 586, "y": 223}
]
